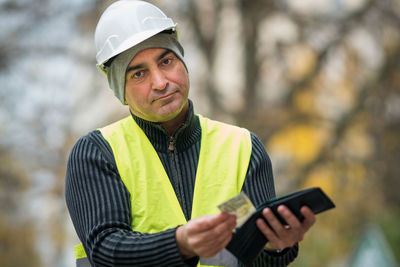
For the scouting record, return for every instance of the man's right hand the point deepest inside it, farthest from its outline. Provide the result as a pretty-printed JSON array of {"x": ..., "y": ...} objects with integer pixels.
[{"x": 205, "y": 236}]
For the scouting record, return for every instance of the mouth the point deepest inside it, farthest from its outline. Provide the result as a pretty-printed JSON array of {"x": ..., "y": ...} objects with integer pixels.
[{"x": 164, "y": 97}]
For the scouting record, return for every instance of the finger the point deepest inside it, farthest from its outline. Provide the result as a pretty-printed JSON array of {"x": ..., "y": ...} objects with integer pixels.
[
  {"x": 225, "y": 241},
  {"x": 208, "y": 222},
  {"x": 220, "y": 241},
  {"x": 219, "y": 232},
  {"x": 211, "y": 246},
  {"x": 285, "y": 235},
  {"x": 212, "y": 237},
  {"x": 269, "y": 233},
  {"x": 291, "y": 220},
  {"x": 221, "y": 219},
  {"x": 274, "y": 223},
  {"x": 309, "y": 217},
  {"x": 219, "y": 226}
]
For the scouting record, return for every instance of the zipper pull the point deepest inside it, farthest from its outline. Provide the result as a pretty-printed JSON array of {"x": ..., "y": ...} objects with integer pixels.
[{"x": 171, "y": 146}]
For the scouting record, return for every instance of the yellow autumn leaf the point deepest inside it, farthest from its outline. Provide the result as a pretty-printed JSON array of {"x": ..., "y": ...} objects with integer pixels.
[
  {"x": 323, "y": 178},
  {"x": 300, "y": 143},
  {"x": 301, "y": 60},
  {"x": 304, "y": 101}
]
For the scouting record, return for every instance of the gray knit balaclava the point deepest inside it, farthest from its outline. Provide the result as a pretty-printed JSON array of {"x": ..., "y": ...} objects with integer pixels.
[{"x": 117, "y": 69}]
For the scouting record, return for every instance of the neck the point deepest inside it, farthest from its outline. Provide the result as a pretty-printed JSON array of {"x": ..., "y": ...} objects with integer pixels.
[{"x": 173, "y": 125}]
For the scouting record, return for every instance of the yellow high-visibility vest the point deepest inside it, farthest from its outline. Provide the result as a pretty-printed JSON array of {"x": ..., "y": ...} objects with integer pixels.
[{"x": 223, "y": 162}]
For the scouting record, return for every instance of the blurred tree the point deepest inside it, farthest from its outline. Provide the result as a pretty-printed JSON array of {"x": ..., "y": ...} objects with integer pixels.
[
  {"x": 17, "y": 235},
  {"x": 318, "y": 82},
  {"x": 43, "y": 68}
]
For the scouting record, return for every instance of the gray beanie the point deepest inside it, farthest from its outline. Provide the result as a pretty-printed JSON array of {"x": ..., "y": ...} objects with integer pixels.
[{"x": 117, "y": 70}]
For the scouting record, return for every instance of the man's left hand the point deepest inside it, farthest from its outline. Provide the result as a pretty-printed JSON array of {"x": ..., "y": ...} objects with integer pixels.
[{"x": 283, "y": 236}]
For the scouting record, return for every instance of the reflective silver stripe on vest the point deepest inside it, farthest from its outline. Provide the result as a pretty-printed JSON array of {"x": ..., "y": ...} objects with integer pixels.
[
  {"x": 83, "y": 262},
  {"x": 223, "y": 258}
]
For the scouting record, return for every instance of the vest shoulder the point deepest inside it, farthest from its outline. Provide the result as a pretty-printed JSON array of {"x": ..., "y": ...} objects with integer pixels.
[
  {"x": 114, "y": 127},
  {"x": 116, "y": 123},
  {"x": 214, "y": 124}
]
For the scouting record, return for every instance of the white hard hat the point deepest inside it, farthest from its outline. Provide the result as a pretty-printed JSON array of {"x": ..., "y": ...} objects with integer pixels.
[{"x": 125, "y": 24}]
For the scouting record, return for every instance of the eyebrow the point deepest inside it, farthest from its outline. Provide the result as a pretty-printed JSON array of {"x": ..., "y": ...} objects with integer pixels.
[{"x": 139, "y": 66}]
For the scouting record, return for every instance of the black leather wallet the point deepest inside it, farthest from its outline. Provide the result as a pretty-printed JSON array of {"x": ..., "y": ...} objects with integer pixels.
[{"x": 248, "y": 241}]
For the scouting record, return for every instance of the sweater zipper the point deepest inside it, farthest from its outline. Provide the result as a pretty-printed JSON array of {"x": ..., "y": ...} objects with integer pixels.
[{"x": 171, "y": 148}]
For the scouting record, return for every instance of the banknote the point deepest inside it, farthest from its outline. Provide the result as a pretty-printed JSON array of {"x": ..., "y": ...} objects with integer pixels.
[{"x": 240, "y": 206}]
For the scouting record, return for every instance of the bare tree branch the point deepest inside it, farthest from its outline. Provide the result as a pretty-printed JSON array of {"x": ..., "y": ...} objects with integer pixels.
[{"x": 346, "y": 121}]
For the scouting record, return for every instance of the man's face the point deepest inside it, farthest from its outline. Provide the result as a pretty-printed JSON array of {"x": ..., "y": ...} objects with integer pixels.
[{"x": 156, "y": 85}]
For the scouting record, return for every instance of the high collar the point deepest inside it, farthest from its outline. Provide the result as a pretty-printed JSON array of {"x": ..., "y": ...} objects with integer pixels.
[{"x": 185, "y": 136}]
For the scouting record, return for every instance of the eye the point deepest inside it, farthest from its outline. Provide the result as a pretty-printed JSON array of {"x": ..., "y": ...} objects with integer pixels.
[
  {"x": 136, "y": 75},
  {"x": 166, "y": 61}
]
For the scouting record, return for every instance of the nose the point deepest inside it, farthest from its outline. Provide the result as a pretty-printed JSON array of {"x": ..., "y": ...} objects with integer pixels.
[{"x": 159, "y": 80}]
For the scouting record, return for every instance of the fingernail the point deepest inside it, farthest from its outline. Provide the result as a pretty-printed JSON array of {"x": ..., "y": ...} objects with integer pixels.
[{"x": 281, "y": 208}]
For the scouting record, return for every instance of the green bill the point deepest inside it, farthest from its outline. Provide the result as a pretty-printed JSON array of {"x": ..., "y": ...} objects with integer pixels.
[{"x": 240, "y": 206}]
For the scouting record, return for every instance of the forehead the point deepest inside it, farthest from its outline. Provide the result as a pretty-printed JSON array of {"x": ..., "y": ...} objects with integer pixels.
[{"x": 148, "y": 55}]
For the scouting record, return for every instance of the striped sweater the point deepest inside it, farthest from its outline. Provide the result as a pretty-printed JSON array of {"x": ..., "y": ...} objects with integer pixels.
[{"x": 99, "y": 203}]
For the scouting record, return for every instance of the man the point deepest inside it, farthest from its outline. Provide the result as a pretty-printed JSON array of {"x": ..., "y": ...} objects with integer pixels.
[{"x": 143, "y": 191}]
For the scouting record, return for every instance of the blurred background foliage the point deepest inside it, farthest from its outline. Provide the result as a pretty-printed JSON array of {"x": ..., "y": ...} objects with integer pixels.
[{"x": 317, "y": 81}]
